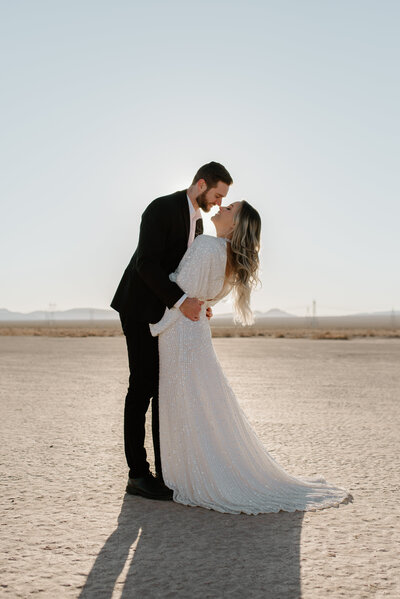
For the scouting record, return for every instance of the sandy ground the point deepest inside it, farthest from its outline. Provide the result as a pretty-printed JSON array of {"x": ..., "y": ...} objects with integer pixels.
[{"x": 68, "y": 529}]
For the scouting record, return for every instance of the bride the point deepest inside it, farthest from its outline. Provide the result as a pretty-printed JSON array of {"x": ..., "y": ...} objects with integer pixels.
[{"x": 211, "y": 456}]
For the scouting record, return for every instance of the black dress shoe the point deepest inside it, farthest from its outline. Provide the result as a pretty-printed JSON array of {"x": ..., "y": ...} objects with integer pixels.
[
  {"x": 159, "y": 479},
  {"x": 149, "y": 487},
  {"x": 162, "y": 485}
]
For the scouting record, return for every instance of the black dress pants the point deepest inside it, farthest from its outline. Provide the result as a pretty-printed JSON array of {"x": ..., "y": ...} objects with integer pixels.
[{"x": 143, "y": 386}]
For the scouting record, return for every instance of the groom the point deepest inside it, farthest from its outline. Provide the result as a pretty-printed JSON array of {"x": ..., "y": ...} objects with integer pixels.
[{"x": 168, "y": 227}]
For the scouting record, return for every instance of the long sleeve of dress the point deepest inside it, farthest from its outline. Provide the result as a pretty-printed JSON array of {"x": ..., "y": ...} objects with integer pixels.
[{"x": 200, "y": 274}]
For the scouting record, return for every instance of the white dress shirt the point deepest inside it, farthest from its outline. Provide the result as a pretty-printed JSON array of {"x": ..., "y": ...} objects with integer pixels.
[{"x": 194, "y": 215}]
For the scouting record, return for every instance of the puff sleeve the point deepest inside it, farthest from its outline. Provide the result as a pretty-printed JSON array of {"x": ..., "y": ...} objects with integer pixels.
[{"x": 200, "y": 274}]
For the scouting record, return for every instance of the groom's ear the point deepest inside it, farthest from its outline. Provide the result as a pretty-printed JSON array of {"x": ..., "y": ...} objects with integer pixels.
[{"x": 201, "y": 185}]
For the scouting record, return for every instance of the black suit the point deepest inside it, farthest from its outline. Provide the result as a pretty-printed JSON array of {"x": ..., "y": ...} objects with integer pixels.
[{"x": 142, "y": 295}]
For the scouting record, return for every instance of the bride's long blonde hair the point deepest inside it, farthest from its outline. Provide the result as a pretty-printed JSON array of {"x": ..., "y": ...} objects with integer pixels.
[{"x": 243, "y": 261}]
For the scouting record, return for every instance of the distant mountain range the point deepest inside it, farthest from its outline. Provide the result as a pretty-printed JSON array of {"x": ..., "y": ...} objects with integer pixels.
[
  {"x": 97, "y": 314},
  {"x": 273, "y": 313},
  {"x": 74, "y": 314}
]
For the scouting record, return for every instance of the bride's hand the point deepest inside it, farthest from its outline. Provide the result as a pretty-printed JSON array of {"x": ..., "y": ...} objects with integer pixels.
[{"x": 209, "y": 312}]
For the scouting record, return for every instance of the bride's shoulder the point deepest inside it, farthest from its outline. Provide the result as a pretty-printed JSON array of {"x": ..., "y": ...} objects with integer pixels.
[
  {"x": 209, "y": 241},
  {"x": 207, "y": 246}
]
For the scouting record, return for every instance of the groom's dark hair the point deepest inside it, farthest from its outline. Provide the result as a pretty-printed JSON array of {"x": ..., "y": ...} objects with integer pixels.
[{"x": 212, "y": 173}]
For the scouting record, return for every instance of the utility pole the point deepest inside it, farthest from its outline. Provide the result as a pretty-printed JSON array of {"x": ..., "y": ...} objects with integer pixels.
[
  {"x": 52, "y": 308},
  {"x": 314, "y": 314},
  {"x": 393, "y": 319}
]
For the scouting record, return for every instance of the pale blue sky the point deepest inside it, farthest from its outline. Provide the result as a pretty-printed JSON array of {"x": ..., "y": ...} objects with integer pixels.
[{"x": 107, "y": 105}]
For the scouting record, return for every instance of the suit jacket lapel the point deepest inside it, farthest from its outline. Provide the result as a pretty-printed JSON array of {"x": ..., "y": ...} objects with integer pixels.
[
  {"x": 186, "y": 217},
  {"x": 185, "y": 211}
]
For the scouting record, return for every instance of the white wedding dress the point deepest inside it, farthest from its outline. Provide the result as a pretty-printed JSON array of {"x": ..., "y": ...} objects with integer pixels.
[{"x": 211, "y": 456}]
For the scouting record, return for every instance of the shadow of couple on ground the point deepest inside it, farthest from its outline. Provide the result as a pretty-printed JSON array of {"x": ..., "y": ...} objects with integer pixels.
[{"x": 163, "y": 549}]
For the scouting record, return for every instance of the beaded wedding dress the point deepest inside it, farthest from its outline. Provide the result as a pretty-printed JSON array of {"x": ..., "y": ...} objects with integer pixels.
[{"x": 211, "y": 456}]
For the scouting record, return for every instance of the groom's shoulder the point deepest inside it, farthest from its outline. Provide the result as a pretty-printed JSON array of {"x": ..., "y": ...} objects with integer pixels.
[{"x": 168, "y": 202}]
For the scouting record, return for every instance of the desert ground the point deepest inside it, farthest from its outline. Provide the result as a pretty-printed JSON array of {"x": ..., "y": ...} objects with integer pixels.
[
  {"x": 326, "y": 407},
  {"x": 344, "y": 328}
]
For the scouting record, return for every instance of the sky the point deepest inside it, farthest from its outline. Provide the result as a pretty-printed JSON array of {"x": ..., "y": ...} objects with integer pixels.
[{"x": 108, "y": 105}]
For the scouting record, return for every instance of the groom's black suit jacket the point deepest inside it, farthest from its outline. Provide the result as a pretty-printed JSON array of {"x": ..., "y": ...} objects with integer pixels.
[{"x": 145, "y": 289}]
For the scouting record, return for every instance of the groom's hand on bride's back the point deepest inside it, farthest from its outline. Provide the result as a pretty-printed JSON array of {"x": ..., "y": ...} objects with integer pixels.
[{"x": 191, "y": 308}]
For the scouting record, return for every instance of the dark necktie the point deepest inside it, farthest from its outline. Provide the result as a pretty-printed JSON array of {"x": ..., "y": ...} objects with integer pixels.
[{"x": 199, "y": 227}]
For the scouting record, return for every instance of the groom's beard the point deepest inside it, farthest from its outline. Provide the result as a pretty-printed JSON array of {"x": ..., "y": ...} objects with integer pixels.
[{"x": 202, "y": 202}]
